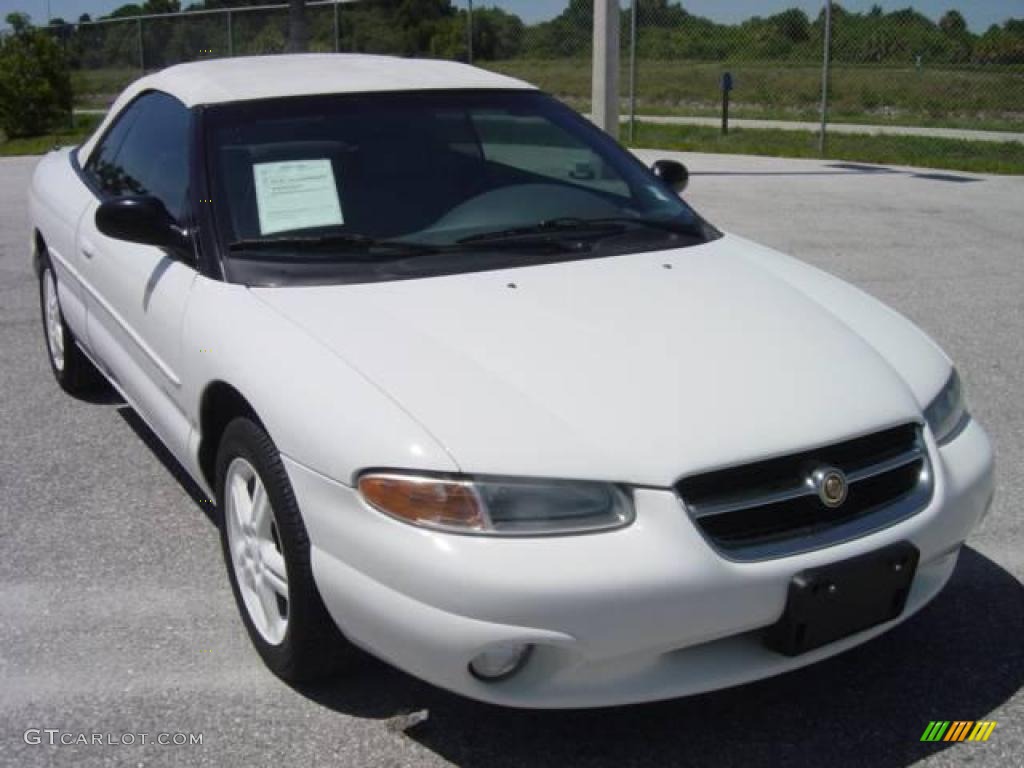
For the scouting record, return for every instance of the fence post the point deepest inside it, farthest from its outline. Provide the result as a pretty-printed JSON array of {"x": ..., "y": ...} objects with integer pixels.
[
  {"x": 632, "y": 70},
  {"x": 469, "y": 31},
  {"x": 826, "y": 61},
  {"x": 726, "y": 90},
  {"x": 604, "y": 96},
  {"x": 231, "y": 35},
  {"x": 142, "y": 54},
  {"x": 337, "y": 31}
]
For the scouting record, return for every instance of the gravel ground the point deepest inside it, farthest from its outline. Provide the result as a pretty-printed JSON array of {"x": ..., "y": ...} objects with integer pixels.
[{"x": 115, "y": 612}]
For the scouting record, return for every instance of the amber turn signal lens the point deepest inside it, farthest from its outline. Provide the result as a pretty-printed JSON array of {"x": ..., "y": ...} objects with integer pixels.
[{"x": 424, "y": 500}]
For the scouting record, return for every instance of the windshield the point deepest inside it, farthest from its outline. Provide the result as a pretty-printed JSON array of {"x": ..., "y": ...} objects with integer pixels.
[{"x": 354, "y": 188}]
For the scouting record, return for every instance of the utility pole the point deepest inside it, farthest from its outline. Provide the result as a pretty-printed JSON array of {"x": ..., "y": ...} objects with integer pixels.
[
  {"x": 605, "y": 77},
  {"x": 469, "y": 32},
  {"x": 337, "y": 29},
  {"x": 142, "y": 46},
  {"x": 632, "y": 70},
  {"x": 298, "y": 27},
  {"x": 826, "y": 61}
]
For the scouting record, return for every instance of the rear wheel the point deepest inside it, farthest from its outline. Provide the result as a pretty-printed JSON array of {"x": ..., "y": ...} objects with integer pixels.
[
  {"x": 267, "y": 552},
  {"x": 72, "y": 369}
]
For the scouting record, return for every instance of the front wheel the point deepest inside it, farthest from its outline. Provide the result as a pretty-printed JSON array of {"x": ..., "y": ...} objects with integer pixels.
[
  {"x": 72, "y": 369},
  {"x": 267, "y": 552}
]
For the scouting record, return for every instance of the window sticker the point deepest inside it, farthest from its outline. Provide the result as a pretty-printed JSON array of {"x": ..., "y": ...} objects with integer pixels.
[{"x": 296, "y": 194}]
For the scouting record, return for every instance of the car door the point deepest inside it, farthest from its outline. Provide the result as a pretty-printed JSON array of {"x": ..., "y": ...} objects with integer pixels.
[{"x": 137, "y": 294}]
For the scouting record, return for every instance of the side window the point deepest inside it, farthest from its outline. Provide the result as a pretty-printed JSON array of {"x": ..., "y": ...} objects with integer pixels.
[
  {"x": 101, "y": 167},
  {"x": 534, "y": 144},
  {"x": 151, "y": 157}
]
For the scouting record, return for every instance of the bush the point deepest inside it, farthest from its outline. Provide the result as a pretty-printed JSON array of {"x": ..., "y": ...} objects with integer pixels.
[{"x": 35, "y": 86}]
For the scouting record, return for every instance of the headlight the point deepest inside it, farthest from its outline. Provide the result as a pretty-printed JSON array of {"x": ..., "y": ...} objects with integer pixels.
[
  {"x": 497, "y": 505},
  {"x": 947, "y": 411}
]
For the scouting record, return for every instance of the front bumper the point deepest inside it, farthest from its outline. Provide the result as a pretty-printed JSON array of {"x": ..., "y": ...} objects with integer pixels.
[{"x": 643, "y": 613}]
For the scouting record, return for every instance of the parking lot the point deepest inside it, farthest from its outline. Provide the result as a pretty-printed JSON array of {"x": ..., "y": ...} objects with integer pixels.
[{"x": 116, "y": 615}]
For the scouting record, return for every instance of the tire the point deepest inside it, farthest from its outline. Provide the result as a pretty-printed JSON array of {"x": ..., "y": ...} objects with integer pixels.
[
  {"x": 73, "y": 371},
  {"x": 265, "y": 546}
]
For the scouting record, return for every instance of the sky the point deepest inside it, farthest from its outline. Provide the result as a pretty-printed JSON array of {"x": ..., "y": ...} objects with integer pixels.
[{"x": 980, "y": 14}]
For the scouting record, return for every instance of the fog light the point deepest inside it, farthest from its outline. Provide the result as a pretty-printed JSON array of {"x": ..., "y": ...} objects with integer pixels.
[{"x": 499, "y": 662}]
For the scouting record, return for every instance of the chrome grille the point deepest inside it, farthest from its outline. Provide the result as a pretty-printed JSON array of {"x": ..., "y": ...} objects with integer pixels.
[{"x": 772, "y": 509}]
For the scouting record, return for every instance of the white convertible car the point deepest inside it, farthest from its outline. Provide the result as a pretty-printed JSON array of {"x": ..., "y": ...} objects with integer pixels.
[{"x": 476, "y": 391}]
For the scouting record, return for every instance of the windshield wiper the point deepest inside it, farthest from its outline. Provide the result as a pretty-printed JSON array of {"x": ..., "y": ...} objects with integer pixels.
[
  {"x": 666, "y": 225},
  {"x": 602, "y": 226},
  {"x": 545, "y": 228},
  {"x": 355, "y": 247},
  {"x": 349, "y": 243}
]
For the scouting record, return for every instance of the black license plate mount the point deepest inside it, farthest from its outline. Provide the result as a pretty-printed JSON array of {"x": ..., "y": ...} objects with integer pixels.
[{"x": 834, "y": 601}]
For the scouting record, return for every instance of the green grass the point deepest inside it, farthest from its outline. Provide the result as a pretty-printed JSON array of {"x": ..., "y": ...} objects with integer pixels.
[
  {"x": 37, "y": 145},
  {"x": 990, "y": 99},
  {"x": 925, "y": 152},
  {"x": 99, "y": 87}
]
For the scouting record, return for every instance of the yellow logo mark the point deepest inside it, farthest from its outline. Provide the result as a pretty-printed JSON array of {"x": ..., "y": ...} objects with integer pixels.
[{"x": 958, "y": 730}]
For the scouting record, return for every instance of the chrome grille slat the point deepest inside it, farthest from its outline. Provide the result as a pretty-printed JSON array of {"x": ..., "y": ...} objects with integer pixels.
[
  {"x": 880, "y": 468},
  {"x": 761, "y": 499},
  {"x": 772, "y": 509}
]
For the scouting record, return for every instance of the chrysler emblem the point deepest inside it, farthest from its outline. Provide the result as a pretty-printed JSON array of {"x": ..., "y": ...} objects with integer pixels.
[{"x": 831, "y": 485}]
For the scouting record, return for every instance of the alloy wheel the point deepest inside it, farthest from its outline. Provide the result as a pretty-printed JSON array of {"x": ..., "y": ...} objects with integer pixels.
[
  {"x": 256, "y": 554},
  {"x": 54, "y": 322}
]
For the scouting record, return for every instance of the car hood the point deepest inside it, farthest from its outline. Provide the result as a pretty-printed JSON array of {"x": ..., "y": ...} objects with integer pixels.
[{"x": 639, "y": 368}]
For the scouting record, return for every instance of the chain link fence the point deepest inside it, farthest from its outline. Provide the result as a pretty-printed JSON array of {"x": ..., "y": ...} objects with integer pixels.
[{"x": 899, "y": 68}]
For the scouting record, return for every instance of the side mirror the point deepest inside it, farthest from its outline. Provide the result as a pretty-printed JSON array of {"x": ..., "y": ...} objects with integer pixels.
[
  {"x": 141, "y": 219},
  {"x": 672, "y": 173}
]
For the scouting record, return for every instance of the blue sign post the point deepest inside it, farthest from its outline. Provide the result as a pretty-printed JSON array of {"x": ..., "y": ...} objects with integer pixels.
[{"x": 727, "y": 86}]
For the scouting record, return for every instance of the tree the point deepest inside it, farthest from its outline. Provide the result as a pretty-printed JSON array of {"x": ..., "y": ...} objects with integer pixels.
[
  {"x": 161, "y": 6},
  {"x": 35, "y": 87},
  {"x": 420, "y": 21},
  {"x": 953, "y": 23},
  {"x": 19, "y": 22},
  {"x": 131, "y": 9},
  {"x": 793, "y": 24},
  {"x": 1002, "y": 45},
  {"x": 298, "y": 29},
  {"x": 497, "y": 34},
  {"x": 60, "y": 30}
]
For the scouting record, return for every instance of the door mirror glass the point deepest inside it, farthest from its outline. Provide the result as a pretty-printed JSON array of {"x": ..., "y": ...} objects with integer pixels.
[
  {"x": 140, "y": 219},
  {"x": 672, "y": 173}
]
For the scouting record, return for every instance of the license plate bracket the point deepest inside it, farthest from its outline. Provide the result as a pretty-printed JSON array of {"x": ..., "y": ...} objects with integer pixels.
[{"x": 831, "y": 602}]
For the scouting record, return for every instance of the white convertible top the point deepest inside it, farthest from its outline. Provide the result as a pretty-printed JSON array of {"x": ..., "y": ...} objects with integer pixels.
[{"x": 265, "y": 77}]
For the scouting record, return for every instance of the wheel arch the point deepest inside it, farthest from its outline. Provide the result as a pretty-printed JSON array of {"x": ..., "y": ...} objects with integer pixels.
[
  {"x": 38, "y": 249},
  {"x": 219, "y": 405}
]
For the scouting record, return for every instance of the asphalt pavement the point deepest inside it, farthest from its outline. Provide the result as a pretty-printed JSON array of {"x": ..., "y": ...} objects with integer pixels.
[{"x": 116, "y": 618}]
